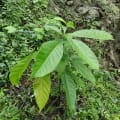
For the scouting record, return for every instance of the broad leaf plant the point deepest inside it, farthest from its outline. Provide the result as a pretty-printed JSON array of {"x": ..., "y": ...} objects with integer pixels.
[{"x": 65, "y": 53}]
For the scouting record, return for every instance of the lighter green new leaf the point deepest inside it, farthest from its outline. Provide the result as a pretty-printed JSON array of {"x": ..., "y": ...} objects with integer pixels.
[
  {"x": 69, "y": 87},
  {"x": 85, "y": 53},
  {"x": 10, "y": 29},
  {"x": 41, "y": 89},
  {"x": 60, "y": 19},
  {"x": 47, "y": 59},
  {"x": 83, "y": 70},
  {"x": 93, "y": 34},
  {"x": 18, "y": 69},
  {"x": 70, "y": 24}
]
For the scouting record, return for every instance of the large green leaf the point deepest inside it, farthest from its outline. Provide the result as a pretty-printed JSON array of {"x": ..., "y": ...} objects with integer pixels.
[
  {"x": 93, "y": 34},
  {"x": 69, "y": 87},
  {"x": 83, "y": 70},
  {"x": 85, "y": 53},
  {"x": 18, "y": 69},
  {"x": 48, "y": 58},
  {"x": 61, "y": 67},
  {"x": 41, "y": 88}
]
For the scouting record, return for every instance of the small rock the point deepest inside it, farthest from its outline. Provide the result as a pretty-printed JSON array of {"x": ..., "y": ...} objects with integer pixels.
[
  {"x": 70, "y": 3},
  {"x": 82, "y": 10},
  {"x": 93, "y": 13}
]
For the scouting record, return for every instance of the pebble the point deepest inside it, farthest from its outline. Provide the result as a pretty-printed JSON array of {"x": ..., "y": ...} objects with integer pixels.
[
  {"x": 70, "y": 3},
  {"x": 82, "y": 10}
]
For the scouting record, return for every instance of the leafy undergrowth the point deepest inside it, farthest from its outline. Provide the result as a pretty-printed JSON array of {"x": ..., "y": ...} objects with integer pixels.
[
  {"x": 100, "y": 102},
  {"x": 19, "y": 34}
]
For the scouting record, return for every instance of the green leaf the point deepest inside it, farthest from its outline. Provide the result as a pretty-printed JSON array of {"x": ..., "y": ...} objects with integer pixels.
[
  {"x": 52, "y": 28},
  {"x": 18, "y": 69},
  {"x": 61, "y": 67},
  {"x": 10, "y": 29},
  {"x": 83, "y": 70},
  {"x": 60, "y": 19},
  {"x": 85, "y": 53},
  {"x": 70, "y": 24},
  {"x": 81, "y": 83},
  {"x": 69, "y": 87},
  {"x": 39, "y": 33},
  {"x": 39, "y": 30},
  {"x": 93, "y": 34},
  {"x": 35, "y": 1},
  {"x": 41, "y": 89},
  {"x": 48, "y": 58}
]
